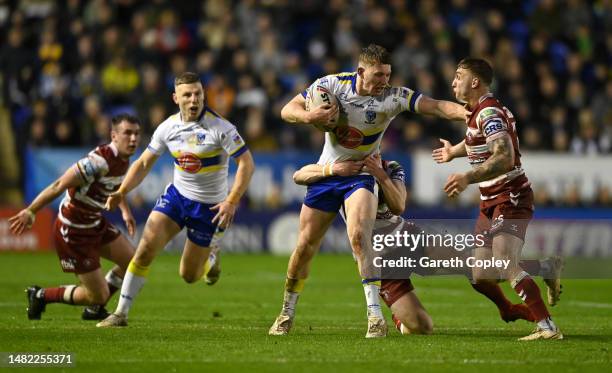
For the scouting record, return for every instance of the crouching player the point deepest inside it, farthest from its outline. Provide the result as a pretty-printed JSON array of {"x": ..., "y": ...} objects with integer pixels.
[
  {"x": 82, "y": 235},
  {"x": 409, "y": 315}
]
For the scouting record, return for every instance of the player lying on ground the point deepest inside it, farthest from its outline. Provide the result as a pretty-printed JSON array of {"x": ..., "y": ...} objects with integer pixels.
[
  {"x": 369, "y": 105},
  {"x": 201, "y": 143},
  {"x": 506, "y": 206},
  {"x": 82, "y": 235},
  {"x": 408, "y": 313}
]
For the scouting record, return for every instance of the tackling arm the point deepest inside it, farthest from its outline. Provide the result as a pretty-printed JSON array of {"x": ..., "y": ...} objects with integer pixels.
[
  {"x": 443, "y": 109},
  {"x": 312, "y": 173},
  {"x": 393, "y": 190}
]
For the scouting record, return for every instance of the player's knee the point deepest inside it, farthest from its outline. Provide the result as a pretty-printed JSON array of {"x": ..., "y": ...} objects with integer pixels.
[{"x": 356, "y": 240}]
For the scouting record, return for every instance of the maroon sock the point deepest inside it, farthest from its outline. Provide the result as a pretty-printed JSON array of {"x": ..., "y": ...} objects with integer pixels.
[
  {"x": 495, "y": 294},
  {"x": 531, "y": 266},
  {"x": 529, "y": 292},
  {"x": 54, "y": 295}
]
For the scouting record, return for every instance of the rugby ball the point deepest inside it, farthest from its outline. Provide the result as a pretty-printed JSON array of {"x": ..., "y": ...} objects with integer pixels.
[{"x": 317, "y": 96}]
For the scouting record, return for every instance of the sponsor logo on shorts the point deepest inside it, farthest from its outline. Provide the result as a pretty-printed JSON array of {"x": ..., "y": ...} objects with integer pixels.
[{"x": 68, "y": 264}]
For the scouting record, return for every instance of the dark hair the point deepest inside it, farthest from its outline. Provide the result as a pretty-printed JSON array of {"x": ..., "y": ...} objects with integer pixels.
[
  {"x": 479, "y": 67},
  {"x": 186, "y": 78},
  {"x": 375, "y": 54},
  {"x": 124, "y": 117}
]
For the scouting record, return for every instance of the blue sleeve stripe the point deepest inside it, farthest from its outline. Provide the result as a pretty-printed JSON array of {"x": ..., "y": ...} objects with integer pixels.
[
  {"x": 413, "y": 99},
  {"x": 239, "y": 152},
  {"x": 152, "y": 149},
  {"x": 304, "y": 93}
]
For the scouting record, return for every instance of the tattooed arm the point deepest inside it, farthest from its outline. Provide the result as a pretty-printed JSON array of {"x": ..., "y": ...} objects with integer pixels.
[{"x": 500, "y": 162}]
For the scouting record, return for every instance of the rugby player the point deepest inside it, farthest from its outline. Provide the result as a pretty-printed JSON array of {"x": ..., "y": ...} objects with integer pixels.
[
  {"x": 201, "y": 142},
  {"x": 82, "y": 235},
  {"x": 506, "y": 207},
  {"x": 369, "y": 104}
]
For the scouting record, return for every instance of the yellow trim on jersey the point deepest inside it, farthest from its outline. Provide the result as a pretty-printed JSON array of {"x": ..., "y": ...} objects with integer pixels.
[
  {"x": 366, "y": 148},
  {"x": 372, "y": 131},
  {"x": 202, "y": 155},
  {"x": 202, "y": 170},
  {"x": 235, "y": 150},
  {"x": 408, "y": 98}
]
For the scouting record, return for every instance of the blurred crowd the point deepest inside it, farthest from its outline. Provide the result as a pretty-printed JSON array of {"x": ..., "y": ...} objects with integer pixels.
[{"x": 69, "y": 65}]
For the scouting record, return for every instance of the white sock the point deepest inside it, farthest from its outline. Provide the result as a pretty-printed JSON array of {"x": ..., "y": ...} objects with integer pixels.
[
  {"x": 547, "y": 324},
  {"x": 114, "y": 280},
  {"x": 289, "y": 301},
  {"x": 371, "y": 294},
  {"x": 129, "y": 290}
]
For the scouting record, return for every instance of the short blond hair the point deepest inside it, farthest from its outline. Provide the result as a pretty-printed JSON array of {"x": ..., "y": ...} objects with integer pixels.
[
  {"x": 374, "y": 55},
  {"x": 186, "y": 78}
]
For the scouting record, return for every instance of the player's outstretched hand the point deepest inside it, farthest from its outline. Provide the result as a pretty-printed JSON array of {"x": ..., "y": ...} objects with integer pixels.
[
  {"x": 130, "y": 223},
  {"x": 22, "y": 221},
  {"x": 225, "y": 214},
  {"x": 443, "y": 154},
  {"x": 113, "y": 201},
  {"x": 455, "y": 184},
  {"x": 347, "y": 168},
  {"x": 322, "y": 115}
]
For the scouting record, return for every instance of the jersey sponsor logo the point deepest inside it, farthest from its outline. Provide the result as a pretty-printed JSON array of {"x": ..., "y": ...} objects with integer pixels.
[
  {"x": 370, "y": 117},
  {"x": 189, "y": 162},
  {"x": 493, "y": 126},
  {"x": 486, "y": 113},
  {"x": 349, "y": 137}
]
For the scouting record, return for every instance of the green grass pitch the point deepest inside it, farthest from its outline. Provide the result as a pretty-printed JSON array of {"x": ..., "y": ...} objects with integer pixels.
[{"x": 179, "y": 327}]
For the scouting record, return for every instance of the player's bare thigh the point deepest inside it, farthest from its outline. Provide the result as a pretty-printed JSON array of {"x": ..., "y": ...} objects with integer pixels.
[
  {"x": 158, "y": 231},
  {"x": 120, "y": 251},
  {"x": 508, "y": 247},
  {"x": 479, "y": 273},
  {"x": 192, "y": 261},
  {"x": 360, "y": 210},
  {"x": 93, "y": 288},
  {"x": 313, "y": 225},
  {"x": 409, "y": 310}
]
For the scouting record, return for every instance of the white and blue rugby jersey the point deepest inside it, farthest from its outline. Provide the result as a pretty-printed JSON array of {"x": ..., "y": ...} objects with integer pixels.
[
  {"x": 200, "y": 150},
  {"x": 368, "y": 116}
]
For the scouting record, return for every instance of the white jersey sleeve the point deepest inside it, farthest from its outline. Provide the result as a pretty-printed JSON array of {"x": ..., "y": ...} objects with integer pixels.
[
  {"x": 231, "y": 141},
  {"x": 158, "y": 144},
  {"x": 402, "y": 99}
]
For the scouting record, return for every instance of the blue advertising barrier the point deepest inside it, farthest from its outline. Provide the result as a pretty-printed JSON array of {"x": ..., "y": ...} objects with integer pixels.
[{"x": 261, "y": 228}]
